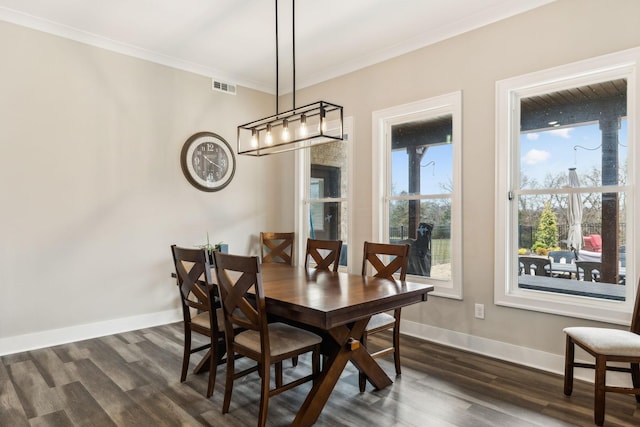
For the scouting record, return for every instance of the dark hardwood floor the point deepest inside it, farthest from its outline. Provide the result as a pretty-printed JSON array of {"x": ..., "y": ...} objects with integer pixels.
[{"x": 132, "y": 379}]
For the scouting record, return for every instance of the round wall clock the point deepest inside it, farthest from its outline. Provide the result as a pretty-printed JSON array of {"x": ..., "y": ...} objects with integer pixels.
[{"x": 207, "y": 161}]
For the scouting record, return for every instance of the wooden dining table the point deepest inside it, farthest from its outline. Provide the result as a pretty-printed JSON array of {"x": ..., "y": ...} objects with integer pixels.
[{"x": 340, "y": 304}]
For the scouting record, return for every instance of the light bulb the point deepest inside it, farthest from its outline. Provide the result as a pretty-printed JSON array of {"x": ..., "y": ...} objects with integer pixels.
[
  {"x": 268, "y": 139},
  {"x": 285, "y": 130},
  {"x": 254, "y": 138},
  {"x": 303, "y": 125}
]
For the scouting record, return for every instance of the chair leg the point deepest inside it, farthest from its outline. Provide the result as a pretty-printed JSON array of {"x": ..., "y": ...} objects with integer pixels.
[
  {"x": 600, "y": 383},
  {"x": 294, "y": 361},
  {"x": 315, "y": 364},
  {"x": 187, "y": 353},
  {"x": 396, "y": 342},
  {"x": 264, "y": 394},
  {"x": 362, "y": 378},
  {"x": 213, "y": 365},
  {"x": 278, "y": 374},
  {"x": 228, "y": 387},
  {"x": 635, "y": 378},
  {"x": 568, "y": 366}
]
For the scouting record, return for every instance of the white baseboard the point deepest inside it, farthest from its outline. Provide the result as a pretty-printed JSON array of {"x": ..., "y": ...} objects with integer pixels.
[
  {"x": 526, "y": 356},
  {"x": 499, "y": 350},
  {"x": 53, "y": 337}
]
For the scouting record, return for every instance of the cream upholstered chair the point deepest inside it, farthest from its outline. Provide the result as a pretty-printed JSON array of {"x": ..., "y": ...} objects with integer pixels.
[
  {"x": 197, "y": 291},
  {"x": 324, "y": 253},
  {"x": 266, "y": 343},
  {"x": 605, "y": 345},
  {"x": 398, "y": 256}
]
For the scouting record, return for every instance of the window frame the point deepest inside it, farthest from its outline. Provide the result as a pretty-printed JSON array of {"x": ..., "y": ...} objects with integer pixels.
[
  {"x": 508, "y": 94},
  {"x": 302, "y": 171},
  {"x": 382, "y": 120}
]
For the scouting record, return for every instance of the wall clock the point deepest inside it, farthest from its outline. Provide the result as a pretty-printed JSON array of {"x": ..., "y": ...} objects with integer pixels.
[{"x": 207, "y": 161}]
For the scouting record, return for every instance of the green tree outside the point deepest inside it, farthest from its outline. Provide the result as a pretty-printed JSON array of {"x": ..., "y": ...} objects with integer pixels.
[{"x": 547, "y": 233}]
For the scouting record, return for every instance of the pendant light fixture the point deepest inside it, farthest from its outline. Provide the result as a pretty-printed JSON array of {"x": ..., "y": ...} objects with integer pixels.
[{"x": 300, "y": 127}]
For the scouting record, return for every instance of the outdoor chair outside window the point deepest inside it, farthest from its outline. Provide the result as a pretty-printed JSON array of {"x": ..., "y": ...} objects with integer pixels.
[{"x": 535, "y": 266}]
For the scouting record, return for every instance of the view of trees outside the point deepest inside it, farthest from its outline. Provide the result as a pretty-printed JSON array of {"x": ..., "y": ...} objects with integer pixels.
[
  {"x": 544, "y": 165},
  {"x": 428, "y": 186}
]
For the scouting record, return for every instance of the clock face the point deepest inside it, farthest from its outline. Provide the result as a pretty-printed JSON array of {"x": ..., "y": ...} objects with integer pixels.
[{"x": 207, "y": 161}]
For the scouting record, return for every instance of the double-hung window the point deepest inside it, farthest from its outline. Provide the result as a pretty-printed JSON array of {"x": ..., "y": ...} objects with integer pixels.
[
  {"x": 416, "y": 187},
  {"x": 565, "y": 212},
  {"x": 322, "y": 190}
]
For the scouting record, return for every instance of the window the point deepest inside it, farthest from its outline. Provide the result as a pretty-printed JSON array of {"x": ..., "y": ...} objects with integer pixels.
[
  {"x": 416, "y": 194},
  {"x": 323, "y": 193},
  {"x": 565, "y": 189}
]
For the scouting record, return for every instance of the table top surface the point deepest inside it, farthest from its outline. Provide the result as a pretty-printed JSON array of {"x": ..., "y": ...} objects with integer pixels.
[
  {"x": 327, "y": 299},
  {"x": 573, "y": 287}
]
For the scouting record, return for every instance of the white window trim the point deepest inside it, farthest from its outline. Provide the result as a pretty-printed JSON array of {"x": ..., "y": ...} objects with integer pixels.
[
  {"x": 381, "y": 179},
  {"x": 302, "y": 173},
  {"x": 506, "y": 292}
]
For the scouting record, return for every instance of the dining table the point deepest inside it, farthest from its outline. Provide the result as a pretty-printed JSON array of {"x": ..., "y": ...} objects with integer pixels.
[{"x": 340, "y": 305}]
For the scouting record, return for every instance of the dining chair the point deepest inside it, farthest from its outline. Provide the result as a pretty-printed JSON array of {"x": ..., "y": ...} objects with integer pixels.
[
  {"x": 243, "y": 300},
  {"x": 324, "y": 253},
  {"x": 198, "y": 292},
  {"x": 386, "y": 259},
  {"x": 605, "y": 345},
  {"x": 276, "y": 247},
  {"x": 535, "y": 266},
  {"x": 590, "y": 270}
]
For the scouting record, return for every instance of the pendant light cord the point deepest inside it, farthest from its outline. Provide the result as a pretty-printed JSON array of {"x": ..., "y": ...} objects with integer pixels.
[
  {"x": 293, "y": 55},
  {"x": 293, "y": 38},
  {"x": 277, "y": 59}
]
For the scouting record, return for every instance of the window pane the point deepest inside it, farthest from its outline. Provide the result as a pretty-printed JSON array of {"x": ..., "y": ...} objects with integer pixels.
[
  {"x": 422, "y": 157},
  {"x": 583, "y": 127},
  {"x": 430, "y": 253},
  {"x": 328, "y": 171},
  {"x": 328, "y": 221}
]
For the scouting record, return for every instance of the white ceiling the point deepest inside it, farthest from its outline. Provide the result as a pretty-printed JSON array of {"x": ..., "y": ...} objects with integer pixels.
[{"x": 234, "y": 40}]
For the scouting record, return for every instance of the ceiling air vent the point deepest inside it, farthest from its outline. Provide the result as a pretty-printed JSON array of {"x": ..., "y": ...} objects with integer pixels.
[{"x": 223, "y": 87}]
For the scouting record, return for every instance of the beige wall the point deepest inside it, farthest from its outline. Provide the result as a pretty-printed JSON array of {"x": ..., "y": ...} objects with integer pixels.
[
  {"x": 92, "y": 190},
  {"x": 559, "y": 33},
  {"x": 93, "y": 195}
]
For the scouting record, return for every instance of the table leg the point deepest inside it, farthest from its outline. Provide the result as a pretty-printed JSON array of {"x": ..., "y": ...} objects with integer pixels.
[{"x": 341, "y": 353}]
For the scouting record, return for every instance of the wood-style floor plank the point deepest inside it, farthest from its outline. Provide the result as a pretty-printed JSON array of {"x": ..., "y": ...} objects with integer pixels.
[{"x": 132, "y": 379}]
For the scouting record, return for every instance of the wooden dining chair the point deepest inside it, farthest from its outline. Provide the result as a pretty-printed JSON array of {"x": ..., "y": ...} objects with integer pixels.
[
  {"x": 324, "y": 253},
  {"x": 197, "y": 291},
  {"x": 240, "y": 283},
  {"x": 605, "y": 345},
  {"x": 276, "y": 247},
  {"x": 535, "y": 266},
  {"x": 590, "y": 270},
  {"x": 386, "y": 259}
]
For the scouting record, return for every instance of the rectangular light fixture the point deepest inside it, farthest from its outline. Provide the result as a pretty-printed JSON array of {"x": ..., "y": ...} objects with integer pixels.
[{"x": 302, "y": 127}]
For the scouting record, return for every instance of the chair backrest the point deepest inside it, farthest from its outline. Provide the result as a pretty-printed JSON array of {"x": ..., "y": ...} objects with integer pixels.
[
  {"x": 239, "y": 276},
  {"x": 194, "y": 279},
  {"x": 569, "y": 257},
  {"x": 325, "y": 253},
  {"x": 398, "y": 257},
  {"x": 535, "y": 266},
  {"x": 276, "y": 247},
  {"x": 591, "y": 270}
]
